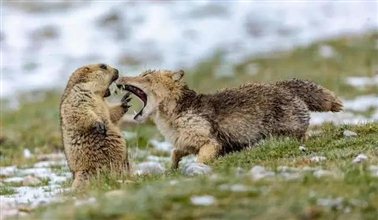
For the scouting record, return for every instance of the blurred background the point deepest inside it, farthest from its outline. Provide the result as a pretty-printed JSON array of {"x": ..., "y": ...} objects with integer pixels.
[
  {"x": 218, "y": 44},
  {"x": 44, "y": 41}
]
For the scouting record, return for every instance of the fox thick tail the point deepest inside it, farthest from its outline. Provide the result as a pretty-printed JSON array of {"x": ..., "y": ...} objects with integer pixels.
[{"x": 317, "y": 98}]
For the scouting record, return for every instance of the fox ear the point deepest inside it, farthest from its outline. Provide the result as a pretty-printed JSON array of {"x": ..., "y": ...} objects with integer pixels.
[{"x": 177, "y": 76}]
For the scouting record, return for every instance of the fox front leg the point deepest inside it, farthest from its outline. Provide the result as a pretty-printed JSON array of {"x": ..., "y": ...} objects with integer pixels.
[
  {"x": 208, "y": 153},
  {"x": 177, "y": 155}
]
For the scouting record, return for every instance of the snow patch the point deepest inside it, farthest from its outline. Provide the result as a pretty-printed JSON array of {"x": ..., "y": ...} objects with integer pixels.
[
  {"x": 318, "y": 159},
  {"x": 168, "y": 36},
  {"x": 326, "y": 51},
  {"x": 149, "y": 168},
  {"x": 360, "y": 158},
  {"x": 205, "y": 200},
  {"x": 259, "y": 172},
  {"x": 163, "y": 146},
  {"x": 8, "y": 171},
  {"x": 27, "y": 154},
  {"x": 194, "y": 169},
  {"x": 348, "y": 133},
  {"x": 362, "y": 81}
]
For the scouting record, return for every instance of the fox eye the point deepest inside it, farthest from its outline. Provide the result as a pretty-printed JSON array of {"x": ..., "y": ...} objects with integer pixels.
[{"x": 103, "y": 66}]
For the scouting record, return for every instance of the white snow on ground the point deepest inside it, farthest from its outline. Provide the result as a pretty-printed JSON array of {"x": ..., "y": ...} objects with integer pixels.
[
  {"x": 360, "y": 158},
  {"x": 318, "y": 159},
  {"x": 362, "y": 81},
  {"x": 148, "y": 168},
  {"x": 27, "y": 183},
  {"x": 195, "y": 169},
  {"x": 290, "y": 173},
  {"x": 205, "y": 200},
  {"x": 349, "y": 115},
  {"x": 163, "y": 146},
  {"x": 48, "y": 44}
]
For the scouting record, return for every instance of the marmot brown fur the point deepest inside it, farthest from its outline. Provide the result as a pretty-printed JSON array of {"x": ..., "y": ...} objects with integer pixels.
[
  {"x": 214, "y": 124},
  {"x": 92, "y": 141}
]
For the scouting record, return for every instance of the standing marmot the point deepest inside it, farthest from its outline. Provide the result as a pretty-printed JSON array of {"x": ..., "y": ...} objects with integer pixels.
[
  {"x": 230, "y": 120},
  {"x": 92, "y": 141}
]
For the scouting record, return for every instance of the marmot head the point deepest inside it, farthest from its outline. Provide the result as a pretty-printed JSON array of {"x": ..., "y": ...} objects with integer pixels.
[
  {"x": 153, "y": 87},
  {"x": 96, "y": 77}
]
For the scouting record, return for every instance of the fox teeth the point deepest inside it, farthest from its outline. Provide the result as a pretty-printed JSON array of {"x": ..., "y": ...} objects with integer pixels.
[{"x": 135, "y": 113}]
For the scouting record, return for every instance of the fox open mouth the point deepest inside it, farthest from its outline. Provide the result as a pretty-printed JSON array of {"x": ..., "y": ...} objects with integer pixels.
[
  {"x": 107, "y": 92},
  {"x": 139, "y": 93}
]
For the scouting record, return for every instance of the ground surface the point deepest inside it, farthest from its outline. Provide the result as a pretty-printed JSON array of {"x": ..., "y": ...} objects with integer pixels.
[{"x": 334, "y": 176}]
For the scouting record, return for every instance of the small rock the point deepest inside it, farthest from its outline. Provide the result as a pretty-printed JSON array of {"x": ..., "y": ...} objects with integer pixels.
[
  {"x": 13, "y": 180},
  {"x": 31, "y": 181},
  {"x": 302, "y": 148},
  {"x": 318, "y": 158},
  {"x": 238, "y": 188},
  {"x": 194, "y": 169},
  {"x": 322, "y": 173},
  {"x": 360, "y": 158},
  {"x": 27, "y": 153},
  {"x": 147, "y": 168},
  {"x": 348, "y": 133},
  {"x": 290, "y": 175},
  {"x": 259, "y": 172},
  {"x": 326, "y": 51},
  {"x": 331, "y": 203},
  {"x": 202, "y": 200}
]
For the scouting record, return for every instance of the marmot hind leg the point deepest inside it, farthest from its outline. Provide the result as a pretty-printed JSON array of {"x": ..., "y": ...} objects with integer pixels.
[{"x": 81, "y": 180}]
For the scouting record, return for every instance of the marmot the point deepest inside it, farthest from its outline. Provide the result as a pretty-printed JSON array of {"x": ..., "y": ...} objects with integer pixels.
[
  {"x": 92, "y": 141},
  {"x": 211, "y": 125}
]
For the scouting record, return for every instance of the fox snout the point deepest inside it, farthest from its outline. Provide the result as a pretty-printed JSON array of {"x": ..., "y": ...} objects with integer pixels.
[{"x": 122, "y": 81}]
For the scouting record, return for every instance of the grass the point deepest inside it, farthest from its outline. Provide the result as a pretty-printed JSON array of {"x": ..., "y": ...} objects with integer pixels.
[
  {"x": 169, "y": 196},
  {"x": 354, "y": 56},
  {"x": 6, "y": 190},
  {"x": 35, "y": 125}
]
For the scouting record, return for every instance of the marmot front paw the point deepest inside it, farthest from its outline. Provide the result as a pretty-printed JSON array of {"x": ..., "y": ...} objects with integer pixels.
[
  {"x": 100, "y": 127},
  {"x": 125, "y": 101}
]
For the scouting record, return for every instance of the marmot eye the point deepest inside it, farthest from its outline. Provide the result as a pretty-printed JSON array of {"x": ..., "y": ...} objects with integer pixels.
[{"x": 103, "y": 66}]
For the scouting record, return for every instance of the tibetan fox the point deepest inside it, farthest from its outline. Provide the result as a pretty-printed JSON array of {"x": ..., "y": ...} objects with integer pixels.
[{"x": 211, "y": 125}]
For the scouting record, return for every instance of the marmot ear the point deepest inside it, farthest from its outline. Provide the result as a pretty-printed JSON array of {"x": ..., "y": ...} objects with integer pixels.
[{"x": 177, "y": 76}]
